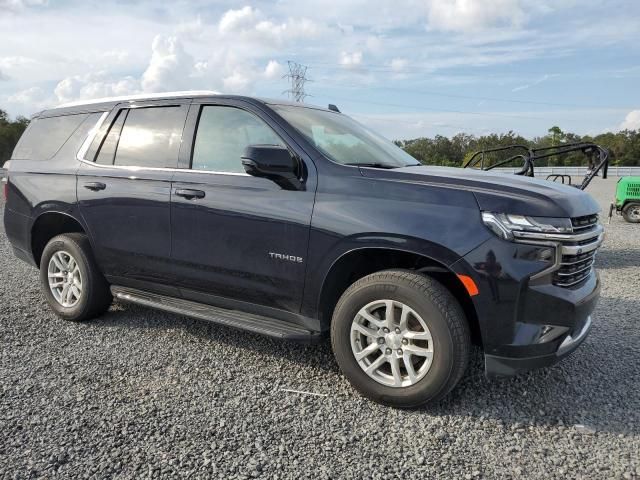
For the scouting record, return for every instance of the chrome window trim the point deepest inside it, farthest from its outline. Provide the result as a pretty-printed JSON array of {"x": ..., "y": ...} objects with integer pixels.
[
  {"x": 133, "y": 168},
  {"x": 90, "y": 137},
  {"x": 142, "y": 97}
]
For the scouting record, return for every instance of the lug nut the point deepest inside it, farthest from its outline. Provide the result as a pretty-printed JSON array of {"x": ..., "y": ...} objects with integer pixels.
[
  {"x": 405, "y": 341},
  {"x": 399, "y": 351},
  {"x": 385, "y": 330},
  {"x": 397, "y": 330},
  {"x": 388, "y": 351},
  {"x": 380, "y": 341}
]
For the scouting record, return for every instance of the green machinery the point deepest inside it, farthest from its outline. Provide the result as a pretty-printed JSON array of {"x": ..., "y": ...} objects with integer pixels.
[{"x": 627, "y": 199}]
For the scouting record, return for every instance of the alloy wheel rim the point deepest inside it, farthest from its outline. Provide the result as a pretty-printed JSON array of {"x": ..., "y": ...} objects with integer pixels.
[
  {"x": 65, "y": 279},
  {"x": 391, "y": 343},
  {"x": 635, "y": 213}
]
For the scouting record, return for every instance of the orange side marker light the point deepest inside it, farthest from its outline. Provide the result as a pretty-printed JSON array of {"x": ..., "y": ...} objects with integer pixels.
[{"x": 469, "y": 284}]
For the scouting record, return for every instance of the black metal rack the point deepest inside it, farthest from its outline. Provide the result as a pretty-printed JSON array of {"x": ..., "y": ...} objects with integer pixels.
[{"x": 527, "y": 157}]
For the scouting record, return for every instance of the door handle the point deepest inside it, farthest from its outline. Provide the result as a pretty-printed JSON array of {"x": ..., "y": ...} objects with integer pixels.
[
  {"x": 189, "y": 194},
  {"x": 95, "y": 186}
]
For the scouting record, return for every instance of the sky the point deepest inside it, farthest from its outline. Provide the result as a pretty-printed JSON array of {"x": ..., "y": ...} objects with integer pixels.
[{"x": 405, "y": 68}]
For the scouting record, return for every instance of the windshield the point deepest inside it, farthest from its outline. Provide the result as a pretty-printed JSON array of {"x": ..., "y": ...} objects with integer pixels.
[{"x": 344, "y": 140}]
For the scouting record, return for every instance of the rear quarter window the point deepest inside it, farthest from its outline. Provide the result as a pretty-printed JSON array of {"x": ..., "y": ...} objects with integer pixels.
[{"x": 45, "y": 136}]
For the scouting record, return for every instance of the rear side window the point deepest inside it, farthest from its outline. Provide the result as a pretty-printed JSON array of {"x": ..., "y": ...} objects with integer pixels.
[
  {"x": 45, "y": 136},
  {"x": 151, "y": 137}
]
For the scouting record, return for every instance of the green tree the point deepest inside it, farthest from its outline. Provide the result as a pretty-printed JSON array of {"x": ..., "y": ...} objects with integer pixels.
[
  {"x": 9, "y": 134},
  {"x": 623, "y": 147}
]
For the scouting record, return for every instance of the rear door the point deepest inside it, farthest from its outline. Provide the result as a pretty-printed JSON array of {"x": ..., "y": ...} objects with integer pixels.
[
  {"x": 238, "y": 236},
  {"x": 124, "y": 191}
]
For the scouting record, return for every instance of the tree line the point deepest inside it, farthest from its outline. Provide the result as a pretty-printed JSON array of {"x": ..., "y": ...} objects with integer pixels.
[
  {"x": 623, "y": 146},
  {"x": 10, "y": 132}
]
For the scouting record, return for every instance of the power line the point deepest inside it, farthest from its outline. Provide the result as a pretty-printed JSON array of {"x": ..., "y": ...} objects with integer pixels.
[
  {"x": 431, "y": 70},
  {"x": 298, "y": 77},
  {"x": 468, "y": 97},
  {"x": 429, "y": 110},
  {"x": 410, "y": 69}
]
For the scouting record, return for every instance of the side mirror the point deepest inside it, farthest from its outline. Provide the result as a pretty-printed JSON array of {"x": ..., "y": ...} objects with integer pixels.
[{"x": 273, "y": 162}]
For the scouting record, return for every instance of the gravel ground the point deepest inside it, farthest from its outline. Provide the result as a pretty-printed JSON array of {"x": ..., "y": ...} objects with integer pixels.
[{"x": 141, "y": 393}]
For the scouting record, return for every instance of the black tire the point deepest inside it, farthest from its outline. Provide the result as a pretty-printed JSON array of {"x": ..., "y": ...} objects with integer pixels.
[
  {"x": 631, "y": 212},
  {"x": 95, "y": 296},
  {"x": 440, "y": 311}
]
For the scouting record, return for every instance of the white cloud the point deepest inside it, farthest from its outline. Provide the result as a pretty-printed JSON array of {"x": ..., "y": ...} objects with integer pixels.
[
  {"x": 631, "y": 121},
  {"x": 238, "y": 20},
  {"x": 351, "y": 59},
  {"x": 169, "y": 67},
  {"x": 85, "y": 87},
  {"x": 399, "y": 64},
  {"x": 29, "y": 96},
  {"x": 14, "y": 61},
  {"x": 192, "y": 29},
  {"x": 16, "y": 5},
  {"x": 115, "y": 56},
  {"x": 237, "y": 81},
  {"x": 410, "y": 44},
  {"x": 465, "y": 15},
  {"x": 250, "y": 24},
  {"x": 273, "y": 70}
]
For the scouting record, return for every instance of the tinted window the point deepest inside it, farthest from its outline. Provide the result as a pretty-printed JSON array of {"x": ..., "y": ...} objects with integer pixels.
[
  {"x": 223, "y": 134},
  {"x": 108, "y": 149},
  {"x": 45, "y": 136},
  {"x": 344, "y": 140},
  {"x": 151, "y": 137}
]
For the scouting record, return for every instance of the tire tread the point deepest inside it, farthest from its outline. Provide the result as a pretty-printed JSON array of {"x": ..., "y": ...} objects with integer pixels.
[
  {"x": 444, "y": 301},
  {"x": 99, "y": 295}
]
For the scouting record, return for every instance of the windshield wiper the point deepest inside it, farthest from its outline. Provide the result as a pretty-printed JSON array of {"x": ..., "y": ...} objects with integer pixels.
[{"x": 372, "y": 165}]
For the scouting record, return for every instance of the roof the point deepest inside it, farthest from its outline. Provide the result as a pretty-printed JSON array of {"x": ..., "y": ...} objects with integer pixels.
[
  {"x": 108, "y": 102},
  {"x": 141, "y": 96}
]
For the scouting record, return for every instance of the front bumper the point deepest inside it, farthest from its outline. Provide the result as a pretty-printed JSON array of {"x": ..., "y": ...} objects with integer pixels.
[
  {"x": 523, "y": 323},
  {"x": 497, "y": 366}
]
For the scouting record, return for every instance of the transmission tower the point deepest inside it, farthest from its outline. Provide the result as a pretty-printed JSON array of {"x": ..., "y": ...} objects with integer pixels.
[{"x": 298, "y": 77}]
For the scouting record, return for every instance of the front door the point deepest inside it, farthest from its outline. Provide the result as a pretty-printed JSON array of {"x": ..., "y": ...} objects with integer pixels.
[
  {"x": 234, "y": 235},
  {"x": 124, "y": 192}
]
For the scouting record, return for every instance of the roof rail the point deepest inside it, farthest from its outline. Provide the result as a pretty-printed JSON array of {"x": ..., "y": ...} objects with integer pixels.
[{"x": 140, "y": 96}]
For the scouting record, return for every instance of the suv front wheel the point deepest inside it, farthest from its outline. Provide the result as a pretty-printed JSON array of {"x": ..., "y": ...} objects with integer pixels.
[
  {"x": 400, "y": 338},
  {"x": 71, "y": 281}
]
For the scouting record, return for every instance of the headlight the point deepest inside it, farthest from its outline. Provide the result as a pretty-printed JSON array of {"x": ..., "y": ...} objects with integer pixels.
[{"x": 504, "y": 224}]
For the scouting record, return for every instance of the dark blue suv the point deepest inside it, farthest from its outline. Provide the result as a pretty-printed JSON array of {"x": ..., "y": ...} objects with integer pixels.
[{"x": 296, "y": 221}]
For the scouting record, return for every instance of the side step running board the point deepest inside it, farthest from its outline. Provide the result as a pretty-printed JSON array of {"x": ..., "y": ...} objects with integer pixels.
[{"x": 231, "y": 318}]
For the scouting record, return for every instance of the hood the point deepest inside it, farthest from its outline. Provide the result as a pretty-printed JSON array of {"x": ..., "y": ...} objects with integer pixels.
[{"x": 498, "y": 192}]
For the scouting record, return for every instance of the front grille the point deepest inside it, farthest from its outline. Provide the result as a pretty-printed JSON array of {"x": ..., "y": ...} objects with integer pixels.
[
  {"x": 578, "y": 252},
  {"x": 581, "y": 223},
  {"x": 574, "y": 269}
]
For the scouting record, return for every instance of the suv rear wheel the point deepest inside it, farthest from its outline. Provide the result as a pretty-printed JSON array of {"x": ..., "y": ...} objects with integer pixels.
[
  {"x": 400, "y": 338},
  {"x": 71, "y": 281}
]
